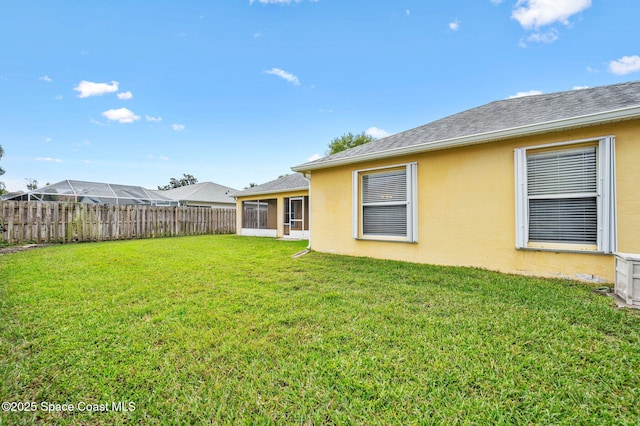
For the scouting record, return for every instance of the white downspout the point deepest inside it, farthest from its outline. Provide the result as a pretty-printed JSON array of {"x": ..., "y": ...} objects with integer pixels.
[{"x": 238, "y": 218}]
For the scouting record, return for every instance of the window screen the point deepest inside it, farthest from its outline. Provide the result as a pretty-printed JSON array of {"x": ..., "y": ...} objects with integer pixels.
[
  {"x": 384, "y": 203},
  {"x": 384, "y": 220},
  {"x": 562, "y": 193},
  {"x": 385, "y": 187}
]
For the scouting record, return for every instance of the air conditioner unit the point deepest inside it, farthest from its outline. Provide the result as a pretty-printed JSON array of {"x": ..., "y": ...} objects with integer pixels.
[{"x": 627, "y": 278}]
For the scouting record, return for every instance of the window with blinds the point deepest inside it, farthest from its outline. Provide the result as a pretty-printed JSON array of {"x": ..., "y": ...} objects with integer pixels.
[
  {"x": 385, "y": 203},
  {"x": 562, "y": 193},
  {"x": 565, "y": 196}
]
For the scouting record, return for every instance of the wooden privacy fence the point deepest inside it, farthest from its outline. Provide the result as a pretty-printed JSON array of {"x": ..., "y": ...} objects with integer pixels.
[{"x": 48, "y": 222}]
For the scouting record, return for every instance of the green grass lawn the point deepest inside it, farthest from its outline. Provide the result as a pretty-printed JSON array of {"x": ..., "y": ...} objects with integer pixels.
[{"x": 226, "y": 329}]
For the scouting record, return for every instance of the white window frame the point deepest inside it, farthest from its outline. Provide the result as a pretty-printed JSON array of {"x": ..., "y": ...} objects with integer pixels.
[
  {"x": 411, "y": 170},
  {"x": 606, "y": 197}
]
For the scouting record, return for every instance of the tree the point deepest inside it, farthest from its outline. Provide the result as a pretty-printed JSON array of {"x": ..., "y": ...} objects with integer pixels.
[
  {"x": 3, "y": 189},
  {"x": 1, "y": 154},
  {"x": 348, "y": 140},
  {"x": 31, "y": 184},
  {"x": 177, "y": 183}
]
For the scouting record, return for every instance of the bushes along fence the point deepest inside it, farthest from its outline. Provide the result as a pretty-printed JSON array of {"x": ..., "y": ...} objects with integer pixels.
[{"x": 48, "y": 222}]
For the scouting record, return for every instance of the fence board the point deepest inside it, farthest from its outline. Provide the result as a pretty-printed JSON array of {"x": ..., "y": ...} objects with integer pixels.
[{"x": 49, "y": 222}]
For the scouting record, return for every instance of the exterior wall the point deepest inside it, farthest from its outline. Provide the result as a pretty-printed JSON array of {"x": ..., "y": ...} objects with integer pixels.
[
  {"x": 252, "y": 232},
  {"x": 279, "y": 210},
  {"x": 466, "y": 209}
]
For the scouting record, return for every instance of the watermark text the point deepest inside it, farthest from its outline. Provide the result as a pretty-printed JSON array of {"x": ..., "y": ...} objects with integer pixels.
[{"x": 82, "y": 406}]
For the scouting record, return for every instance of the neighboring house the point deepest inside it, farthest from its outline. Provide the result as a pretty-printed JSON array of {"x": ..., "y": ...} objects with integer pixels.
[
  {"x": 542, "y": 185},
  {"x": 204, "y": 194},
  {"x": 279, "y": 208},
  {"x": 78, "y": 191},
  {"x": 12, "y": 195}
]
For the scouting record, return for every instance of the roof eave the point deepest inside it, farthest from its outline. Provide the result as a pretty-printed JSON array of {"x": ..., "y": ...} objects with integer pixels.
[
  {"x": 538, "y": 128},
  {"x": 279, "y": 191}
]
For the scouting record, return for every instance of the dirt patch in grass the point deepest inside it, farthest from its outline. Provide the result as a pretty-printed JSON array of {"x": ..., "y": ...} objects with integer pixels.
[{"x": 15, "y": 249}]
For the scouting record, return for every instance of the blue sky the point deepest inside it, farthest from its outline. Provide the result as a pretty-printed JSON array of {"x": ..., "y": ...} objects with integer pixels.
[{"x": 239, "y": 91}]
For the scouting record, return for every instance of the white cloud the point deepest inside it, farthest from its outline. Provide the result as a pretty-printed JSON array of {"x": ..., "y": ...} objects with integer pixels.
[
  {"x": 86, "y": 161},
  {"x": 121, "y": 115},
  {"x": 314, "y": 157},
  {"x": 48, "y": 139},
  {"x": 49, "y": 159},
  {"x": 625, "y": 65},
  {"x": 523, "y": 94},
  {"x": 407, "y": 12},
  {"x": 161, "y": 157},
  {"x": 580, "y": 87},
  {"x": 548, "y": 37},
  {"x": 178, "y": 127},
  {"x": 88, "y": 88},
  {"x": 538, "y": 13},
  {"x": 454, "y": 26},
  {"x": 46, "y": 78},
  {"x": 283, "y": 74},
  {"x": 125, "y": 96},
  {"x": 153, "y": 119},
  {"x": 376, "y": 133},
  {"x": 58, "y": 98}
]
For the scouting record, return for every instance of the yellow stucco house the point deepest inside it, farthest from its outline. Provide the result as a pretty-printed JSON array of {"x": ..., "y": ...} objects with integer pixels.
[
  {"x": 546, "y": 185},
  {"x": 279, "y": 208}
]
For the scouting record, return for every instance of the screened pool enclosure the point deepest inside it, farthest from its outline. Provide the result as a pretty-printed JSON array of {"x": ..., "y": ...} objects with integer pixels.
[{"x": 76, "y": 191}]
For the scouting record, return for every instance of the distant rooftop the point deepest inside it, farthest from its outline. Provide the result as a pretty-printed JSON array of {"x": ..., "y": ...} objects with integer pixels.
[
  {"x": 208, "y": 192},
  {"x": 95, "y": 193}
]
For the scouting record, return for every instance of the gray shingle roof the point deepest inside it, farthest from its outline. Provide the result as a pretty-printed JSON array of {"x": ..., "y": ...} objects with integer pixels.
[
  {"x": 290, "y": 182},
  {"x": 204, "y": 192},
  {"x": 487, "y": 121}
]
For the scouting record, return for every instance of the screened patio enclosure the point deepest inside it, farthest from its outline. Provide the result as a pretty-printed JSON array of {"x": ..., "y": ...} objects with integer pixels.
[
  {"x": 76, "y": 191},
  {"x": 279, "y": 208},
  {"x": 296, "y": 217},
  {"x": 259, "y": 217}
]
